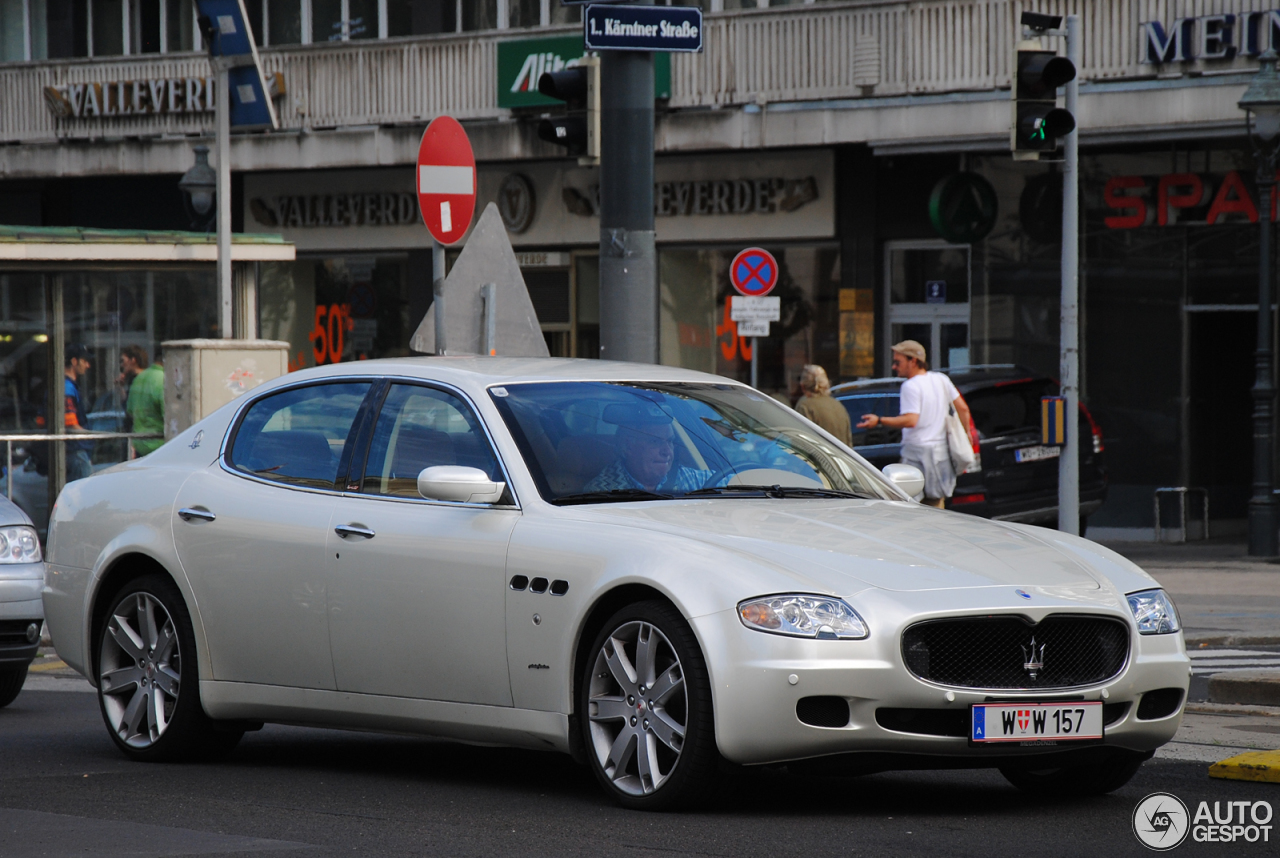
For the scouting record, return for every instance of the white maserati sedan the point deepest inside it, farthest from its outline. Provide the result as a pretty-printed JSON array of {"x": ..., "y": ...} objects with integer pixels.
[{"x": 652, "y": 569}]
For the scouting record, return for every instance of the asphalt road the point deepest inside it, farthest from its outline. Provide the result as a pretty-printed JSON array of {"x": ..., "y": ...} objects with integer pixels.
[{"x": 65, "y": 790}]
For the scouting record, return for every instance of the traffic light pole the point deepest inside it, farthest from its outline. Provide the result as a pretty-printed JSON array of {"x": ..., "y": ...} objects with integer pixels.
[
  {"x": 223, "y": 199},
  {"x": 1069, "y": 463},
  {"x": 628, "y": 265}
]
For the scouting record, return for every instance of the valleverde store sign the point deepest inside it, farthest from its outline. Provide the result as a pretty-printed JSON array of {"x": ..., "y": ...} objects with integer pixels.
[{"x": 522, "y": 61}]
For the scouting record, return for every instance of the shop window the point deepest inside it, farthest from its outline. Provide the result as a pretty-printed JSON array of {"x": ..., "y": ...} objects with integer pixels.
[
  {"x": 179, "y": 32},
  {"x": 340, "y": 20},
  {"x": 421, "y": 17},
  {"x": 586, "y": 273},
  {"x": 108, "y": 27},
  {"x": 563, "y": 14},
  {"x": 144, "y": 27},
  {"x": 60, "y": 29},
  {"x": 362, "y": 19},
  {"x": 857, "y": 333},
  {"x": 284, "y": 22},
  {"x": 697, "y": 332},
  {"x": 524, "y": 13},
  {"x": 337, "y": 309},
  {"x": 326, "y": 20},
  {"x": 12, "y": 40},
  {"x": 479, "y": 14},
  {"x": 254, "y": 10}
]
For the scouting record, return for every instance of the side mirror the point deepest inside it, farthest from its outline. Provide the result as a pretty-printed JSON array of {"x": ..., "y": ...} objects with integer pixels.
[
  {"x": 907, "y": 478},
  {"x": 456, "y": 483}
]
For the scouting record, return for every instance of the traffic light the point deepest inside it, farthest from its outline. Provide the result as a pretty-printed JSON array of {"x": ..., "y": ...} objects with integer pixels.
[
  {"x": 1038, "y": 122},
  {"x": 579, "y": 130}
]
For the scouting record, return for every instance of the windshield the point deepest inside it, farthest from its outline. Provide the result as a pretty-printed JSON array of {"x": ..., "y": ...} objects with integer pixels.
[{"x": 593, "y": 442}]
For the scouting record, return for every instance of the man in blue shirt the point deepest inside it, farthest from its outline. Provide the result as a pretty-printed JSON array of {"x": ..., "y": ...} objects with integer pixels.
[{"x": 79, "y": 465}]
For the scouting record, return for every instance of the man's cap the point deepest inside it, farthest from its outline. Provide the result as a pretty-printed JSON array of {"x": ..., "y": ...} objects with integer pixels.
[
  {"x": 911, "y": 349},
  {"x": 78, "y": 350}
]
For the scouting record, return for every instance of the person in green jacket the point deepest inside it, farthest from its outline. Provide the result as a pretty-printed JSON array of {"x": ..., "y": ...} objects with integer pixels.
[{"x": 145, "y": 405}]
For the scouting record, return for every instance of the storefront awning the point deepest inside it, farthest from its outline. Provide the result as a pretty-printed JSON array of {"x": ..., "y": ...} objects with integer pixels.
[{"x": 76, "y": 244}]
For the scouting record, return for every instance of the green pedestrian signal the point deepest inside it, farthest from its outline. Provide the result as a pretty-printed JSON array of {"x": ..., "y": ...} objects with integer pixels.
[{"x": 1038, "y": 122}]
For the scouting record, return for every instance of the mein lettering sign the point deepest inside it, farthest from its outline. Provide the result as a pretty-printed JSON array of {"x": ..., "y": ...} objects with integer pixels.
[{"x": 1209, "y": 37}]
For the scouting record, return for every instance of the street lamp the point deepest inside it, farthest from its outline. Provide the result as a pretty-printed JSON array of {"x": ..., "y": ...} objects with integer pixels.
[
  {"x": 199, "y": 186},
  {"x": 1261, "y": 104}
]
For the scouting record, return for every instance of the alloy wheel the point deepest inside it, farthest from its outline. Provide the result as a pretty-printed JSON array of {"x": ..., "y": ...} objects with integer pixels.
[
  {"x": 638, "y": 708},
  {"x": 140, "y": 670}
]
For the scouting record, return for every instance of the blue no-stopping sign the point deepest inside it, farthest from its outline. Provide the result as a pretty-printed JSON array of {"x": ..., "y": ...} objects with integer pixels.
[{"x": 642, "y": 28}]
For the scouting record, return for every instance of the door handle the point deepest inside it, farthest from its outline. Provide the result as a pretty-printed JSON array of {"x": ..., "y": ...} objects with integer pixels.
[
  {"x": 345, "y": 530},
  {"x": 189, "y": 513}
]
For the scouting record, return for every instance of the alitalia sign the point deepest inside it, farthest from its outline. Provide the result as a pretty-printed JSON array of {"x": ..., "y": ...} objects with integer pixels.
[{"x": 522, "y": 61}]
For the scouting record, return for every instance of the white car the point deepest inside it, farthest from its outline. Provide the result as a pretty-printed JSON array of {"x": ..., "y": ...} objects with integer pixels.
[
  {"x": 649, "y": 568},
  {"x": 21, "y": 608}
]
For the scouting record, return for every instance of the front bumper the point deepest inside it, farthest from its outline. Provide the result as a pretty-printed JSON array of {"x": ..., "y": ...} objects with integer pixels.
[
  {"x": 758, "y": 680},
  {"x": 20, "y": 606}
]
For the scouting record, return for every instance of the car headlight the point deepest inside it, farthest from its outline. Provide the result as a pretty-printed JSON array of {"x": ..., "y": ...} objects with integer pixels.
[
  {"x": 19, "y": 545},
  {"x": 1154, "y": 611},
  {"x": 803, "y": 616}
]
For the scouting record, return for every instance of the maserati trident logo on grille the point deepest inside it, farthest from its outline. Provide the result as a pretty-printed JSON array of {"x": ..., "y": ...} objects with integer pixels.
[{"x": 1033, "y": 658}]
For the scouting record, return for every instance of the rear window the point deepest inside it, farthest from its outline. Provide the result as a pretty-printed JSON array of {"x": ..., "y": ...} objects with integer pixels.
[{"x": 1009, "y": 408}]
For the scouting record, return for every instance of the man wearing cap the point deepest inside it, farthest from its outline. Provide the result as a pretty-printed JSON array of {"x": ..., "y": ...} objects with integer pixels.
[
  {"x": 79, "y": 465},
  {"x": 924, "y": 402},
  {"x": 646, "y": 441}
]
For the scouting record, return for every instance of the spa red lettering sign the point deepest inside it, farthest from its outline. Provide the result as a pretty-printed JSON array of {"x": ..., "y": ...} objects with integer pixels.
[{"x": 1188, "y": 199}]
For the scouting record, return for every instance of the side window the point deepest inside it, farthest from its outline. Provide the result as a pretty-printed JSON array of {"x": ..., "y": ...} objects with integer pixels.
[
  {"x": 298, "y": 436},
  {"x": 884, "y": 405},
  {"x": 420, "y": 427}
]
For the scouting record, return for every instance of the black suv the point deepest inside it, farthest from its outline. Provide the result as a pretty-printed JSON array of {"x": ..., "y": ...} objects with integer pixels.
[{"x": 1015, "y": 478}]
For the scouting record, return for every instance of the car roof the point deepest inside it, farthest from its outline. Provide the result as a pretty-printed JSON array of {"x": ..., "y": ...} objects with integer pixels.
[
  {"x": 482, "y": 371},
  {"x": 965, "y": 378}
]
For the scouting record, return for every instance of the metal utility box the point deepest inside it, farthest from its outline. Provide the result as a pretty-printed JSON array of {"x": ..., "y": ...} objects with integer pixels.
[{"x": 201, "y": 376}]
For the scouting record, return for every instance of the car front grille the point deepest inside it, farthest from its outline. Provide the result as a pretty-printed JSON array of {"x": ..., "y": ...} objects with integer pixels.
[
  {"x": 14, "y": 632},
  {"x": 996, "y": 652}
]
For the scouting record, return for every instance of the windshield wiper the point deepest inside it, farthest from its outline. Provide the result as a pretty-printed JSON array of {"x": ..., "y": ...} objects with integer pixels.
[
  {"x": 611, "y": 496},
  {"x": 777, "y": 492}
]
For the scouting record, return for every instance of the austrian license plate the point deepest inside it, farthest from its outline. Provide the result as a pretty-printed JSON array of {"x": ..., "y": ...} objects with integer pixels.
[
  {"x": 1035, "y": 722},
  {"x": 1036, "y": 454}
]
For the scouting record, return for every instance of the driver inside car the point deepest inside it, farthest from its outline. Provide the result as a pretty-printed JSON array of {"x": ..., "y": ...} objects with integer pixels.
[{"x": 647, "y": 458}]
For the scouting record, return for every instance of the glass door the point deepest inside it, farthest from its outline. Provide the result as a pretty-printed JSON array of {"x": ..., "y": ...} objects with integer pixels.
[{"x": 927, "y": 296}]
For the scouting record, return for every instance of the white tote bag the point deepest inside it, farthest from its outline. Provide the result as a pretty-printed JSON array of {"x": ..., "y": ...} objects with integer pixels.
[{"x": 958, "y": 442}]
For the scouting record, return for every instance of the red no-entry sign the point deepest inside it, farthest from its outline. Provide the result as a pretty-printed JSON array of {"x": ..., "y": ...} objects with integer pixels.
[
  {"x": 754, "y": 272},
  {"x": 446, "y": 180}
]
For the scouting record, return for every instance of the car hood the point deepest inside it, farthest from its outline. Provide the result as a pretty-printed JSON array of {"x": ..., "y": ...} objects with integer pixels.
[{"x": 848, "y": 545}]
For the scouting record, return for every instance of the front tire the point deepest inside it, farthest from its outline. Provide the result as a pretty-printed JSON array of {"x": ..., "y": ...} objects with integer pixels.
[
  {"x": 11, "y": 681},
  {"x": 148, "y": 681},
  {"x": 645, "y": 700},
  {"x": 1097, "y": 777}
]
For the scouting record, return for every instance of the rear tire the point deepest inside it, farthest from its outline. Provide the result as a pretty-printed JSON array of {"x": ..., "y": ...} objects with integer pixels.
[
  {"x": 1097, "y": 777},
  {"x": 148, "y": 679},
  {"x": 644, "y": 703},
  {"x": 11, "y": 680}
]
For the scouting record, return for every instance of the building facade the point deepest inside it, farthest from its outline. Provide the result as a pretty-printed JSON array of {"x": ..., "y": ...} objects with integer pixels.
[{"x": 864, "y": 142}]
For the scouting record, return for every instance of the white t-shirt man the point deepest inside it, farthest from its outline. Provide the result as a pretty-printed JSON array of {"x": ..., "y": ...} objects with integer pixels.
[{"x": 930, "y": 395}]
